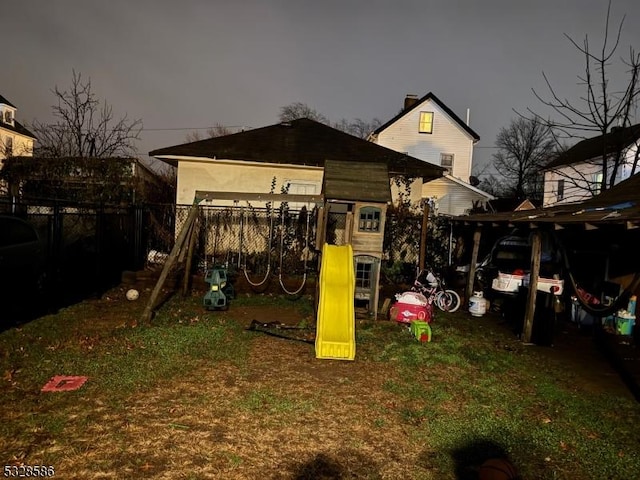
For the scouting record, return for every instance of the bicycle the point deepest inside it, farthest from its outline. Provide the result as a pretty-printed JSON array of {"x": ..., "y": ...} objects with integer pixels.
[{"x": 434, "y": 289}]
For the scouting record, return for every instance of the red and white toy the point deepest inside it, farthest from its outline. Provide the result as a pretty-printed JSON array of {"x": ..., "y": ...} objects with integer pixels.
[{"x": 411, "y": 306}]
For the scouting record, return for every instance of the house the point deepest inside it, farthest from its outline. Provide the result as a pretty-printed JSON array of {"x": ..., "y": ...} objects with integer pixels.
[
  {"x": 347, "y": 177},
  {"x": 577, "y": 174},
  {"x": 121, "y": 181},
  {"x": 429, "y": 130},
  {"x": 282, "y": 157},
  {"x": 15, "y": 139}
]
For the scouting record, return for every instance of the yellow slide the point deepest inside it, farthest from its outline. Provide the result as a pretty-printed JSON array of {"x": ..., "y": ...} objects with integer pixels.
[{"x": 336, "y": 327}]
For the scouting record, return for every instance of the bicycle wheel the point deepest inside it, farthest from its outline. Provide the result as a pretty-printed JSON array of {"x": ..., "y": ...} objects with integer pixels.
[{"x": 448, "y": 300}]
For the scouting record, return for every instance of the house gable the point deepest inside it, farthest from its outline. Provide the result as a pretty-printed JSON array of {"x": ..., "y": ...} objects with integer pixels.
[
  {"x": 449, "y": 143},
  {"x": 15, "y": 139},
  {"x": 418, "y": 104},
  {"x": 576, "y": 174}
]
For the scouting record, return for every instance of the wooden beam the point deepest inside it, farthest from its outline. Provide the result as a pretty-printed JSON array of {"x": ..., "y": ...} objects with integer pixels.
[
  {"x": 265, "y": 197},
  {"x": 472, "y": 266},
  {"x": 187, "y": 268},
  {"x": 171, "y": 259},
  {"x": 530, "y": 310},
  {"x": 423, "y": 236}
]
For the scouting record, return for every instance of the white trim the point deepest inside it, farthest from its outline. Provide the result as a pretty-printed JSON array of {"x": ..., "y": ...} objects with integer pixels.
[
  {"x": 468, "y": 186},
  {"x": 236, "y": 162}
]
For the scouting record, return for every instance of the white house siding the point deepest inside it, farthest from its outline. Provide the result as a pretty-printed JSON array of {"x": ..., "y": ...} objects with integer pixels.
[
  {"x": 22, "y": 145},
  {"x": 447, "y": 137},
  {"x": 577, "y": 177},
  {"x": 450, "y": 198},
  {"x": 232, "y": 176},
  {"x": 247, "y": 177}
]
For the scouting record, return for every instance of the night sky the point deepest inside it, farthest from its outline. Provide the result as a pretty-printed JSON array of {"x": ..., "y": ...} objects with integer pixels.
[{"x": 191, "y": 64}]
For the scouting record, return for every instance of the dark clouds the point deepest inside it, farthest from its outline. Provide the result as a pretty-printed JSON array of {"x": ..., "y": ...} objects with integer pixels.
[{"x": 195, "y": 63}]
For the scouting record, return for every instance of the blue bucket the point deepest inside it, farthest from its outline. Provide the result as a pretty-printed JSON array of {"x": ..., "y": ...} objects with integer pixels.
[{"x": 624, "y": 326}]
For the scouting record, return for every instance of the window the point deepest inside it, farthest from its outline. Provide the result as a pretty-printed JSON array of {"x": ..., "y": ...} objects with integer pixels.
[
  {"x": 369, "y": 219},
  {"x": 300, "y": 187},
  {"x": 426, "y": 122},
  {"x": 363, "y": 275},
  {"x": 8, "y": 118},
  {"x": 596, "y": 180},
  {"x": 8, "y": 146},
  {"x": 560, "y": 191},
  {"x": 446, "y": 160}
]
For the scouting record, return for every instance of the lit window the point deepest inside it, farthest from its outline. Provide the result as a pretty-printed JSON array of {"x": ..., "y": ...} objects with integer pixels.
[
  {"x": 369, "y": 219},
  {"x": 446, "y": 160},
  {"x": 560, "y": 191},
  {"x": 426, "y": 122}
]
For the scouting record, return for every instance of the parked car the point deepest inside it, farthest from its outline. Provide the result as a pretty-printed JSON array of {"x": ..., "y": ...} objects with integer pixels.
[
  {"x": 511, "y": 254},
  {"x": 22, "y": 265}
]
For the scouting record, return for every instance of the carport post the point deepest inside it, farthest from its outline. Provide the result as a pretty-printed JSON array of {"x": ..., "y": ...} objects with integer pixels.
[
  {"x": 533, "y": 287},
  {"x": 423, "y": 235},
  {"x": 474, "y": 259}
]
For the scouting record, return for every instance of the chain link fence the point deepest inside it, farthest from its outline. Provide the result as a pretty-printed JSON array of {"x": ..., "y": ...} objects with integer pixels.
[{"x": 89, "y": 246}]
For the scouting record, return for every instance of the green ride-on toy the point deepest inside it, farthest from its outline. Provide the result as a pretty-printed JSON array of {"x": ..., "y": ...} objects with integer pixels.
[{"x": 220, "y": 291}]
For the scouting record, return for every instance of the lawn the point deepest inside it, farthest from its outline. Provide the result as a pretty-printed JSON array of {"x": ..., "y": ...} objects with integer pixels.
[{"x": 195, "y": 395}]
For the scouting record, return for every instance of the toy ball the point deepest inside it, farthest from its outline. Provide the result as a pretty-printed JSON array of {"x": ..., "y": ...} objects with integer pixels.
[
  {"x": 132, "y": 294},
  {"x": 497, "y": 469}
]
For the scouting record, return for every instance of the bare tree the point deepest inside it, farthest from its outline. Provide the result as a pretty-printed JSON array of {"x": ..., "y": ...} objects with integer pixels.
[
  {"x": 603, "y": 105},
  {"x": 523, "y": 149},
  {"x": 358, "y": 127},
  {"x": 297, "y": 110},
  {"x": 85, "y": 126},
  {"x": 218, "y": 130}
]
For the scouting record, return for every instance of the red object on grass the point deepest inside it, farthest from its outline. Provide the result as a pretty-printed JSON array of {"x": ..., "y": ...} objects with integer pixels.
[
  {"x": 64, "y": 383},
  {"x": 406, "y": 312}
]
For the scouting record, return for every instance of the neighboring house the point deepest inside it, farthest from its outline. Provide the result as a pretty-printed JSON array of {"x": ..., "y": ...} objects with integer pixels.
[
  {"x": 509, "y": 205},
  {"x": 282, "y": 157},
  {"x": 429, "y": 130},
  {"x": 14, "y": 138},
  {"x": 121, "y": 181},
  {"x": 577, "y": 174}
]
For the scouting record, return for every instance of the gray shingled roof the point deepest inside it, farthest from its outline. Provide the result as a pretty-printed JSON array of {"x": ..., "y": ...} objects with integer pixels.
[
  {"x": 595, "y": 147},
  {"x": 300, "y": 142},
  {"x": 17, "y": 127},
  {"x": 6, "y": 102}
]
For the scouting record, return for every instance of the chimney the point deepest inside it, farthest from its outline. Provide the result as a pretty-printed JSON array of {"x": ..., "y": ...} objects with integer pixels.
[{"x": 410, "y": 100}]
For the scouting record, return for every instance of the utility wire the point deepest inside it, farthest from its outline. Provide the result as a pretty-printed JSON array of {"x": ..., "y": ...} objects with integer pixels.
[{"x": 196, "y": 128}]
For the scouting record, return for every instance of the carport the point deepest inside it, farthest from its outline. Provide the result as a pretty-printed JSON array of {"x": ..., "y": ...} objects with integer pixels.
[{"x": 605, "y": 225}]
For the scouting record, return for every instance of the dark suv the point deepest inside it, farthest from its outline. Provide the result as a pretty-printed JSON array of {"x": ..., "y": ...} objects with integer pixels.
[
  {"x": 512, "y": 254},
  {"x": 22, "y": 264}
]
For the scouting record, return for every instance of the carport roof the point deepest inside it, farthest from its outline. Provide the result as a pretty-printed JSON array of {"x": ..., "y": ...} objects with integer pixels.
[{"x": 619, "y": 206}]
